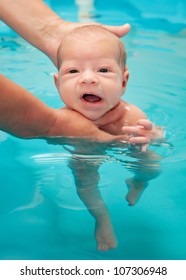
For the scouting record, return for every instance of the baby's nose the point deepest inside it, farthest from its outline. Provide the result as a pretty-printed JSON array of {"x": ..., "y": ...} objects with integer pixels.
[{"x": 88, "y": 77}]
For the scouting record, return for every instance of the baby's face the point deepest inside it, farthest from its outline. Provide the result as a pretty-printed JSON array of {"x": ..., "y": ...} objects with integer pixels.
[{"x": 90, "y": 79}]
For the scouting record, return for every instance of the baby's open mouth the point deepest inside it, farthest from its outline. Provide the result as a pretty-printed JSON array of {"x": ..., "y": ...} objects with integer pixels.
[{"x": 91, "y": 97}]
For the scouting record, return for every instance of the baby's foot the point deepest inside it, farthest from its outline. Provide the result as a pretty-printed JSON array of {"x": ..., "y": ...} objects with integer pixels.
[
  {"x": 136, "y": 189},
  {"x": 105, "y": 236}
]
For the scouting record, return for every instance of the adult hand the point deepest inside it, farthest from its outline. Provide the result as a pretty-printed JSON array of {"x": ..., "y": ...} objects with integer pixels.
[
  {"x": 41, "y": 26},
  {"x": 118, "y": 30},
  {"x": 65, "y": 27},
  {"x": 69, "y": 123}
]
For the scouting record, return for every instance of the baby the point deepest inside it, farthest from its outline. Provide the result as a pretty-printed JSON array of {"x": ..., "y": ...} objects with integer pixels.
[{"x": 92, "y": 78}]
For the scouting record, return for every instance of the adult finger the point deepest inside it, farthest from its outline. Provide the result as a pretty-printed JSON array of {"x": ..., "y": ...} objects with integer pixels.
[{"x": 119, "y": 30}]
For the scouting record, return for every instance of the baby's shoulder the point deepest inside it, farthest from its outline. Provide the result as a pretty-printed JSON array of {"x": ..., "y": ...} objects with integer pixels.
[{"x": 132, "y": 113}]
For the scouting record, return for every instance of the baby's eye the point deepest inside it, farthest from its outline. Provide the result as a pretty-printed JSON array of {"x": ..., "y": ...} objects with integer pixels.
[
  {"x": 103, "y": 70},
  {"x": 72, "y": 71}
]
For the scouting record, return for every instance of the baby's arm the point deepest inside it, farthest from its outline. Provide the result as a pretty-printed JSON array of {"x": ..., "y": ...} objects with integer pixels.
[{"x": 139, "y": 128}]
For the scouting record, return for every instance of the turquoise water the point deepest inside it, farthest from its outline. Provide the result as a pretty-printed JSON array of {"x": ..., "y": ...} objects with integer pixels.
[{"x": 41, "y": 216}]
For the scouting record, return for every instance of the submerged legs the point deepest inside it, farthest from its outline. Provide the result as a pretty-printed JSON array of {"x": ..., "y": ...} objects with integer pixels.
[{"x": 86, "y": 177}]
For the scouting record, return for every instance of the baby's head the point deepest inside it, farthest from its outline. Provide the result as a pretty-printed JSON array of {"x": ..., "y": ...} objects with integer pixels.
[
  {"x": 89, "y": 33},
  {"x": 92, "y": 75}
]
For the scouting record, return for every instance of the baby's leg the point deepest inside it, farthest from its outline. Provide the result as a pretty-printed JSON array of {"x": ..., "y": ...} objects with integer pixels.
[
  {"x": 146, "y": 169},
  {"x": 86, "y": 177}
]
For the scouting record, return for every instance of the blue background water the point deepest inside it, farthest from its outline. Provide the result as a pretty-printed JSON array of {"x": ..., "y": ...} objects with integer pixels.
[{"x": 40, "y": 214}]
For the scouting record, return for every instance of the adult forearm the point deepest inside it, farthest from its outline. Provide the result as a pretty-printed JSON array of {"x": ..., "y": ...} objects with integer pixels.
[
  {"x": 35, "y": 22},
  {"x": 41, "y": 26},
  {"x": 21, "y": 113}
]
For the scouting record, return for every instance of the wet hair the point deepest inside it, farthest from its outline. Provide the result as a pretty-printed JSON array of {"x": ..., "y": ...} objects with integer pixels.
[{"x": 87, "y": 31}]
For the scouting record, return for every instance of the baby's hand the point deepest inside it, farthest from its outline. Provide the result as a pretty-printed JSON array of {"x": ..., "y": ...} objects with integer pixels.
[{"x": 143, "y": 133}]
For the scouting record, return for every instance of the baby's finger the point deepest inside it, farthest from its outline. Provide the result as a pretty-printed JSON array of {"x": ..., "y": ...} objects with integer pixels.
[
  {"x": 145, "y": 123},
  {"x": 130, "y": 129},
  {"x": 139, "y": 140}
]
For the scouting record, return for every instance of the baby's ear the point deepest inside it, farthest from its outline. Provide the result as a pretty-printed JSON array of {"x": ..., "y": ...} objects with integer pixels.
[
  {"x": 125, "y": 77},
  {"x": 56, "y": 79}
]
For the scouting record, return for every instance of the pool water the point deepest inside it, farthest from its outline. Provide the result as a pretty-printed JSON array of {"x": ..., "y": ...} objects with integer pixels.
[{"x": 41, "y": 216}]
